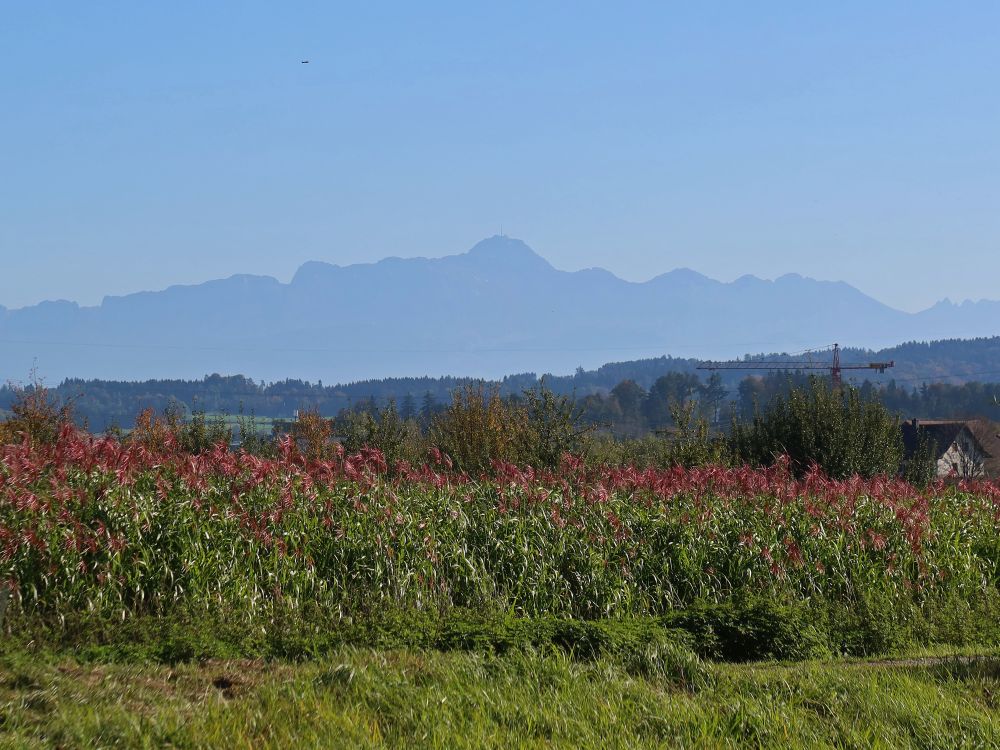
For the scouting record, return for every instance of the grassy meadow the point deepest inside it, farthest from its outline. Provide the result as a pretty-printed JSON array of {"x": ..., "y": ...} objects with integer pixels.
[{"x": 361, "y": 698}]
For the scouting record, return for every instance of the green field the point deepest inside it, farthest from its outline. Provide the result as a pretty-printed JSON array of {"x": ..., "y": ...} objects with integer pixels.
[{"x": 356, "y": 698}]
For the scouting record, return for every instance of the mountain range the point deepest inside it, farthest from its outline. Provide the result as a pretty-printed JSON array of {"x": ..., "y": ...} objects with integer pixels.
[{"x": 496, "y": 309}]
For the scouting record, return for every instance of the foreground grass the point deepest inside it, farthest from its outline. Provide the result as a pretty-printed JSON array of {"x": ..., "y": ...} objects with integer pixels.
[{"x": 364, "y": 698}]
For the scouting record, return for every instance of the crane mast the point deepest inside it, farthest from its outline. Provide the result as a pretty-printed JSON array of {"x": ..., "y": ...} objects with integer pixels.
[{"x": 836, "y": 368}]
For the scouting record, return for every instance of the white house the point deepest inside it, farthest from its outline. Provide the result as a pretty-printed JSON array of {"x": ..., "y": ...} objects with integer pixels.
[{"x": 953, "y": 444}]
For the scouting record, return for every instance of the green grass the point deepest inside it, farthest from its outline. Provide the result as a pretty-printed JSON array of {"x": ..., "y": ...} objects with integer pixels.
[
  {"x": 357, "y": 698},
  {"x": 233, "y": 420}
]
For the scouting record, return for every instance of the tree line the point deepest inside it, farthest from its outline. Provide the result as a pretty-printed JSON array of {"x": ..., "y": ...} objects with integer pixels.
[
  {"x": 627, "y": 408},
  {"x": 479, "y": 431}
]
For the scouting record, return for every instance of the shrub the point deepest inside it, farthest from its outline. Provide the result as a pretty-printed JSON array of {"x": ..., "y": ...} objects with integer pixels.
[
  {"x": 537, "y": 428},
  {"x": 479, "y": 428},
  {"x": 251, "y": 439},
  {"x": 313, "y": 434},
  {"x": 691, "y": 442},
  {"x": 398, "y": 439},
  {"x": 35, "y": 415},
  {"x": 752, "y": 630},
  {"x": 171, "y": 431},
  {"x": 202, "y": 433},
  {"x": 838, "y": 431},
  {"x": 555, "y": 427}
]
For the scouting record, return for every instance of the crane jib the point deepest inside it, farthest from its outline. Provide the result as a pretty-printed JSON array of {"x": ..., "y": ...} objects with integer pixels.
[{"x": 835, "y": 367}]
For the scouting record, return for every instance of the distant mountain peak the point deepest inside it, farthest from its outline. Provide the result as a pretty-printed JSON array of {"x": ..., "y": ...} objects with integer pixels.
[
  {"x": 312, "y": 269},
  {"x": 684, "y": 276},
  {"x": 501, "y": 250},
  {"x": 793, "y": 277}
]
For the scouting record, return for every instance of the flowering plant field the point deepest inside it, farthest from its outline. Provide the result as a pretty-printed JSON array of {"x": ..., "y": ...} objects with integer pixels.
[{"x": 91, "y": 527}]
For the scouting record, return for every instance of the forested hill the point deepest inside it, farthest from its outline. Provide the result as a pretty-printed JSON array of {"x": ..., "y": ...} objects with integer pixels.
[{"x": 951, "y": 362}]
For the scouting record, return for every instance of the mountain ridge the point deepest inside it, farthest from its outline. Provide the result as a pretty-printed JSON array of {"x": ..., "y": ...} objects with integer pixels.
[
  {"x": 496, "y": 308},
  {"x": 487, "y": 249}
]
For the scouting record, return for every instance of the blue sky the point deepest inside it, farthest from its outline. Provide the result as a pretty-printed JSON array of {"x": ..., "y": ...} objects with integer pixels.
[{"x": 146, "y": 144}]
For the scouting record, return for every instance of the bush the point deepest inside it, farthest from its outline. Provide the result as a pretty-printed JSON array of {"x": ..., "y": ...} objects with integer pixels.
[
  {"x": 313, "y": 434},
  {"x": 752, "y": 630},
  {"x": 479, "y": 428},
  {"x": 172, "y": 432},
  {"x": 398, "y": 439},
  {"x": 537, "y": 428},
  {"x": 689, "y": 443},
  {"x": 251, "y": 439},
  {"x": 555, "y": 428},
  {"x": 35, "y": 415},
  {"x": 838, "y": 431}
]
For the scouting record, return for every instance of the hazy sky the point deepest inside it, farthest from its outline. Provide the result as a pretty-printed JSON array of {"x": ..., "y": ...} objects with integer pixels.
[{"x": 145, "y": 144}]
